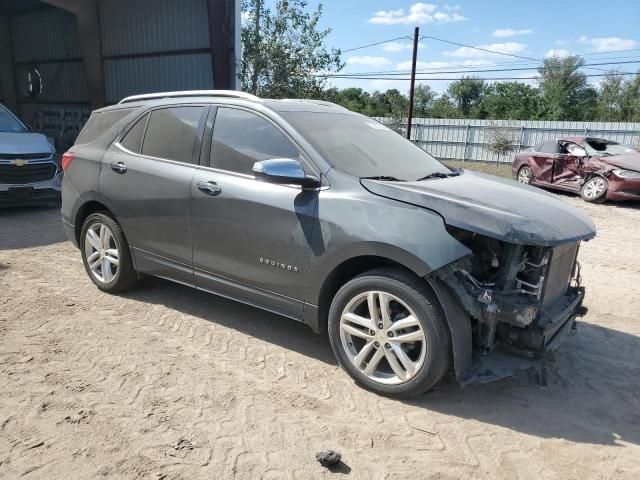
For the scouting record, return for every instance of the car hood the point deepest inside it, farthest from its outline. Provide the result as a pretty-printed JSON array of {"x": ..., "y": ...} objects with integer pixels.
[
  {"x": 627, "y": 162},
  {"x": 19, "y": 143},
  {"x": 495, "y": 207}
]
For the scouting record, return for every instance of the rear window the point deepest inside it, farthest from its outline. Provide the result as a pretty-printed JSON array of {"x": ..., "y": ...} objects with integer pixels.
[
  {"x": 171, "y": 133},
  {"x": 100, "y": 122}
]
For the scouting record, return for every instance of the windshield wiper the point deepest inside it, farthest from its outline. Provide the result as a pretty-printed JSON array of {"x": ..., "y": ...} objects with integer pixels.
[
  {"x": 385, "y": 178},
  {"x": 455, "y": 173}
]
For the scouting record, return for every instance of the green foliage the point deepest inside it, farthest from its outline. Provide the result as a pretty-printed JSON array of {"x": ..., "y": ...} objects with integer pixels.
[
  {"x": 511, "y": 101},
  {"x": 283, "y": 50},
  {"x": 467, "y": 94},
  {"x": 565, "y": 92}
]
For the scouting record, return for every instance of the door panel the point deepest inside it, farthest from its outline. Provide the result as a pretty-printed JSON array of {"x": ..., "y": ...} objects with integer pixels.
[
  {"x": 250, "y": 240},
  {"x": 542, "y": 167},
  {"x": 151, "y": 202},
  {"x": 147, "y": 177},
  {"x": 567, "y": 171}
]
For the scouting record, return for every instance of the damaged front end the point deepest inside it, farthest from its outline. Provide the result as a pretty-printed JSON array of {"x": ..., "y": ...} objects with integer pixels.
[{"x": 521, "y": 300}]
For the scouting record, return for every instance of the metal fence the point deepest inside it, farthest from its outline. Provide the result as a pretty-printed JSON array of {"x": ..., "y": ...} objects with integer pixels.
[{"x": 461, "y": 139}]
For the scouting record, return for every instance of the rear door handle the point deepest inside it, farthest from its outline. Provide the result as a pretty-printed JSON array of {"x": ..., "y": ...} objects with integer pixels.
[
  {"x": 119, "y": 167},
  {"x": 209, "y": 188}
]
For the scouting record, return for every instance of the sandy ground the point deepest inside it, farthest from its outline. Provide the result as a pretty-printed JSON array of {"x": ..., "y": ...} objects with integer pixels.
[{"x": 166, "y": 383}]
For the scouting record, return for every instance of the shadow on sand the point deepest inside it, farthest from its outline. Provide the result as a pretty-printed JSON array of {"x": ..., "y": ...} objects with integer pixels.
[
  {"x": 592, "y": 396},
  {"x": 26, "y": 227}
]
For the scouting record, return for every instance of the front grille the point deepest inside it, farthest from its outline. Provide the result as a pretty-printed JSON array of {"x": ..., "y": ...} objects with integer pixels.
[
  {"x": 30, "y": 173},
  {"x": 24, "y": 156},
  {"x": 559, "y": 273}
]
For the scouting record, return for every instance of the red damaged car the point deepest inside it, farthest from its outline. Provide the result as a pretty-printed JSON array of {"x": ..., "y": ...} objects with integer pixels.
[{"x": 597, "y": 169}]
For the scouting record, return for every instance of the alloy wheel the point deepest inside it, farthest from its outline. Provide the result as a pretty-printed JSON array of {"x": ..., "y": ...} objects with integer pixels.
[
  {"x": 594, "y": 188},
  {"x": 524, "y": 175},
  {"x": 101, "y": 252},
  {"x": 383, "y": 337}
]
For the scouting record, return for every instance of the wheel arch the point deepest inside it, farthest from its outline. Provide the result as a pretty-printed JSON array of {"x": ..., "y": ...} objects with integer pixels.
[
  {"x": 340, "y": 275},
  {"x": 457, "y": 320},
  {"x": 90, "y": 206}
]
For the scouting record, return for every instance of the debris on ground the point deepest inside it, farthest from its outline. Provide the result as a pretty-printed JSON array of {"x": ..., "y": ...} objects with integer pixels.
[{"x": 328, "y": 458}]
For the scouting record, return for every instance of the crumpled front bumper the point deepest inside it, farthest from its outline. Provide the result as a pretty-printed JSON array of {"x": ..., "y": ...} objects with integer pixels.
[
  {"x": 621, "y": 189},
  {"x": 504, "y": 362}
]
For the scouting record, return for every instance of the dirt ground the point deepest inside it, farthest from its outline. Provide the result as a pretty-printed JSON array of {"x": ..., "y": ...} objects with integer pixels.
[{"x": 166, "y": 382}]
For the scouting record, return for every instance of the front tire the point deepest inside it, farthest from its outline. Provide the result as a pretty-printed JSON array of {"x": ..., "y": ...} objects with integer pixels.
[
  {"x": 594, "y": 190},
  {"x": 388, "y": 332},
  {"x": 105, "y": 254}
]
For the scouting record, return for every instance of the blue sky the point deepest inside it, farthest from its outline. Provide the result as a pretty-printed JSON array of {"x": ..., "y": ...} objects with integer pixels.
[{"x": 527, "y": 28}]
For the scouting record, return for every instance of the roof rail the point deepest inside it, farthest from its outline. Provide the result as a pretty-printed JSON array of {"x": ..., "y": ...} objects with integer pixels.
[{"x": 190, "y": 93}]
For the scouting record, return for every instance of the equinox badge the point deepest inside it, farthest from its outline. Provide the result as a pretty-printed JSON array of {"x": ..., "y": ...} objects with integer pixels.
[{"x": 283, "y": 266}]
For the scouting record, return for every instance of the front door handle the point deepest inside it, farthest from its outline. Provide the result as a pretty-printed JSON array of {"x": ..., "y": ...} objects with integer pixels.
[
  {"x": 119, "y": 167},
  {"x": 209, "y": 188}
]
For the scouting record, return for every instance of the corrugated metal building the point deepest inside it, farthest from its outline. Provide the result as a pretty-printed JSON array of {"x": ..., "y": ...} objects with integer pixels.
[{"x": 61, "y": 58}]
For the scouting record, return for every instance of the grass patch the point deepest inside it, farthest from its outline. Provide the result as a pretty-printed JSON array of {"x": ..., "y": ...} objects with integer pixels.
[{"x": 498, "y": 169}]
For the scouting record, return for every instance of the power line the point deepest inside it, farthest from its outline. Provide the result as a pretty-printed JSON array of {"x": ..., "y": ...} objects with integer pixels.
[
  {"x": 490, "y": 51},
  {"x": 477, "y": 48},
  {"x": 488, "y": 79},
  {"x": 469, "y": 67},
  {"x": 374, "y": 44},
  {"x": 426, "y": 72}
]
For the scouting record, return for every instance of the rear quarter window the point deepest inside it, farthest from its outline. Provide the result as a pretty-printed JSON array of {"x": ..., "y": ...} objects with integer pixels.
[{"x": 100, "y": 122}]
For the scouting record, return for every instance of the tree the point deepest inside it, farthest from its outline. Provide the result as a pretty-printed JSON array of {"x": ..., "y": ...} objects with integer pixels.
[
  {"x": 501, "y": 140},
  {"x": 631, "y": 100},
  {"x": 443, "y": 107},
  {"x": 511, "y": 101},
  {"x": 565, "y": 92},
  {"x": 467, "y": 95},
  {"x": 423, "y": 98},
  {"x": 282, "y": 51},
  {"x": 610, "y": 98}
]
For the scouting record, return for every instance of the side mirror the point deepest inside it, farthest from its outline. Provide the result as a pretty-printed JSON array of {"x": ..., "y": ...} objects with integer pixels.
[{"x": 284, "y": 171}]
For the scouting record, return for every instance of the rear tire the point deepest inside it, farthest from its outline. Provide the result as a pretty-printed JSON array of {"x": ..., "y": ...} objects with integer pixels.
[
  {"x": 400, "y": 350},
  {"x": 525, "y": 175},
  {"x": 105, "y": 254},
  {"x": 594, "y": 190}
]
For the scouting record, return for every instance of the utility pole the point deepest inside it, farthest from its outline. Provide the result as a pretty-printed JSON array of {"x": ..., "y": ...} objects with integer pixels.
[{"x": 416, "y": 34}]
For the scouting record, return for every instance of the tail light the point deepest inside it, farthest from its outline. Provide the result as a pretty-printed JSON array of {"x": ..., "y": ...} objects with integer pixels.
[{"x": 67, "y": 158}]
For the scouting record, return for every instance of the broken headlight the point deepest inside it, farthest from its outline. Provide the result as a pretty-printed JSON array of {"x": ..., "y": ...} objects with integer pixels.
[{"x": 626, "y": 173}]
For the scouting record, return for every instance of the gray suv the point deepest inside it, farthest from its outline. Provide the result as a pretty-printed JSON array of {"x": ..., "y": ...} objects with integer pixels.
[{"x": 308, "y": 210}]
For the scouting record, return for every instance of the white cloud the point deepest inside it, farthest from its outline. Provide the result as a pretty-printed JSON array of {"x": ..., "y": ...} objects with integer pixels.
[
  {"x": 510, "y": 48},
  {"x": 368, "y": 61},
  {"x": 418, "y": 13},
  {"x": 400, "y": 46},
  {"x": 605, "y": 44},
  {"x": 557, "y": 52},
  {"x": 510, "y": 32}
]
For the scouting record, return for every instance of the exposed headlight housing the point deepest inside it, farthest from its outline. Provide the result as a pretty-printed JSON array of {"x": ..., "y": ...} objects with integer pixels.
[{"x": 626, "y": 173}]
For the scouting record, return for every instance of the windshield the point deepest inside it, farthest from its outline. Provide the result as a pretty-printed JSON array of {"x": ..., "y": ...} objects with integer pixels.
[
  {"x": 606, "y": 147},
  {"x": 9, "y": 123},
  {"x": 362, "y": 147}
]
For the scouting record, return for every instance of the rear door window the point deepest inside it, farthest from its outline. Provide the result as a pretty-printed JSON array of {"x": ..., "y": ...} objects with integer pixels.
[
  {"x": 132, "y": 141},
  {"x": 241, "y": 138},
  {"x": 550, "y": 146},
  {"x": 171, "y": 133},
  {"x": 100, "y": 122}
]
